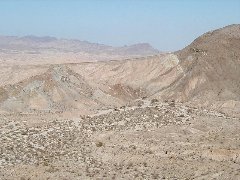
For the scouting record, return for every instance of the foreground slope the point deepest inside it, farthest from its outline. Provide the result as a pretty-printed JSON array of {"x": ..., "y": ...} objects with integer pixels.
[{"x": 152, "y": 141}]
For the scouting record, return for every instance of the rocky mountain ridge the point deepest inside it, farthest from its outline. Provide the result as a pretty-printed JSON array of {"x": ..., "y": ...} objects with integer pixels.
[{"x": 35, "y": 44}]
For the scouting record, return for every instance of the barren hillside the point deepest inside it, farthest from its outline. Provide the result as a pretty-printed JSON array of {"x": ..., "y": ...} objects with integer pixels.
[
  {"x": 211, "y": 70},
  {"x": 85, "y": 86},
  {"x": 205, "y": 73}
]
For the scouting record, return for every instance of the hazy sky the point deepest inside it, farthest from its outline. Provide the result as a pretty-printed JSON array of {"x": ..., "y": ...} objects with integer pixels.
[{"x": 165, "y": 24}]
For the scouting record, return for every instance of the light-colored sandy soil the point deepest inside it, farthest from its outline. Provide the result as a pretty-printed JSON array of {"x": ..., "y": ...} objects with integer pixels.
[{"x": 156, "y": 141}]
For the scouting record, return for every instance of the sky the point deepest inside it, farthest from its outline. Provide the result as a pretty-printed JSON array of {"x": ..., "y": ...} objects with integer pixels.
[{"x": 167, "y": 25}]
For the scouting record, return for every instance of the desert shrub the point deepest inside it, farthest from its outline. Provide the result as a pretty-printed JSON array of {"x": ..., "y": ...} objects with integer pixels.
[
  {"x": 99, "y": 144},
  {"x": 154, "y": 101},
  {"x": 144, "y": 97},
  {"x": 172, "y": 103}
]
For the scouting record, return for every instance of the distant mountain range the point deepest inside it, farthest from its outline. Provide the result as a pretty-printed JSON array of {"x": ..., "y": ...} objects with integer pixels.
[{"x": 44, "y": 45}]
